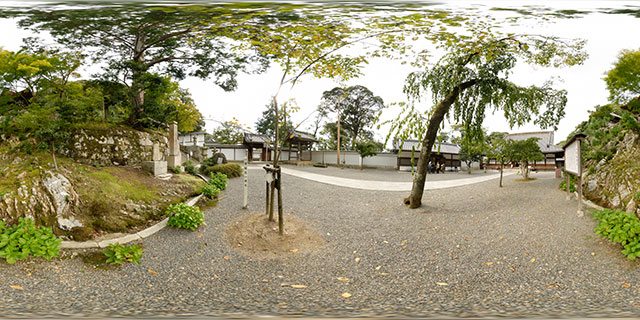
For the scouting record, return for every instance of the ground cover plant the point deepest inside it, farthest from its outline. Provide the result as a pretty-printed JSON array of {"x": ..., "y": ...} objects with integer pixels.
[
  {"x": 572, "y": 183},
  {"x": 25, "y": 239},
  {"x": 119, "y": 254},
  {"x": 219, "y": 180},
  {"x": 231, "y": 170},
  {"x": 210, "y": 191},
  {"x": 620, "y": 227},
  {"x": 184, "y": 216}
]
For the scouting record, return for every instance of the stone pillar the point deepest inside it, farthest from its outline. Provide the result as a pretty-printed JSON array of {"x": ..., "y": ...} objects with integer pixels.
[
  {"x": 174, "y": 148},
  {"x": 157, "y": 156}
]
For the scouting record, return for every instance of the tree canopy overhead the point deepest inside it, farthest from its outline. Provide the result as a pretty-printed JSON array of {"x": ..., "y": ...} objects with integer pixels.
[
  {"x": 473, "y": 78},
  {"x": 131, "y": 41},
  {"x": 623, "y": 80},
  {"x": 358, "y": 108}
]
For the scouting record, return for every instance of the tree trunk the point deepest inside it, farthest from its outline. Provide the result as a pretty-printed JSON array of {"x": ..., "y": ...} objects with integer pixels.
[
  {"x": 501, "y": 166},
  {"x": 415, "y": 198},
  {"x": 338, "y": 145},
  {"x": 469, "y": 167}
]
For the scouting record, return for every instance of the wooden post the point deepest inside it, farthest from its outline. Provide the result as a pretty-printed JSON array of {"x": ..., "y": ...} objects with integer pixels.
[
  {"x": 245, "y": 199},
  {"x": 279, "y": 187},
  {"x": 266, "y": 208},
  {"x": 271, "y": 199},
  {"x": 338, "y": 145},
  {"x": 579, "y": 182},
  {"x": 568, "y": 184}
]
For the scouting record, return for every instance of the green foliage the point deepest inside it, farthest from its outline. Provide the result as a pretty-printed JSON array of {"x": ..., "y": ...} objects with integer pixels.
[
  {"x": 189, "y": 167},
  {"x": 623, "y": 81},
  {"x": 210, "y": 191},
  {"x": 231, "y": 170},
  {"x": 472, "y": 144},
  {"x": 368, "y": 148},
  {"x": 119, "y": 254},
  {"x": 176, "y": 170},
  {"x": 228, "y": 132},
  {"x": 184, "y": 216},
  {"x": 22, "y": 240},
  {"x": 266, "y": 123},
  {"x": 620, "y": 227},
  {"x": 358, "y": 108},
  {"x": 219, "y": 180},
  {"x": 572, "y": 183}
]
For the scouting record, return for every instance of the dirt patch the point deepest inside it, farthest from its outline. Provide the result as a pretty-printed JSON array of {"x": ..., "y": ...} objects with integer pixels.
[
  {"x": 257, "y": 236},
  {"x": 525, "y": 180}
]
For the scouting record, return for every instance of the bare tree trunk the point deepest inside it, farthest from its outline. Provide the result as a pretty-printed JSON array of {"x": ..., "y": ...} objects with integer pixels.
[
  {"x": 271, "y": 196},
  {"x": 469, "y": 167},
  {"x": 280, "y": 214},
  {"x": 415, "y": 198},
  {"x": 338, "y": 145},
  {"x": 501, "y": 166}
]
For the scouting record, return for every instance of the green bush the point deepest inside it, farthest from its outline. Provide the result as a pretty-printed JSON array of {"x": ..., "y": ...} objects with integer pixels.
[
  {"x": 184, "y": 216},
  {"x": 219, "y": 180},
  {"x": 176, "y": 170},
  {"x": 210, "y": 191},
  {"x": 620, "y": 227},
  {"x": 231, "y": 170},
  {"x": 119, "y": 254},
  {"x": 572, "y": 183},
  {"x": 189, "y": 167},
  {"x": 24, "y": 239}
]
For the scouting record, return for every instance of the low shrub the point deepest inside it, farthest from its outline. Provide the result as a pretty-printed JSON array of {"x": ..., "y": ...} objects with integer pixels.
[
  {"x": 620, "y": 227},
  {"x": 189, "y": 167},
  {"x": 210, "y": 191},
  {"x": 119, "y": 254},
  {"x": 25, "y": 239},
  {"x": 572, "y": 183},
  {"x": 219, "y": 180},
  {"x": 184, "y": 216},
  {"x": 177, "y": 170},
  {"x": 231, "y": 170}
]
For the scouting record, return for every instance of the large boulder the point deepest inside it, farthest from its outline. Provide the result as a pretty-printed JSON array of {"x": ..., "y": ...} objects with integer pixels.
[{"x": 615, "y": 183}]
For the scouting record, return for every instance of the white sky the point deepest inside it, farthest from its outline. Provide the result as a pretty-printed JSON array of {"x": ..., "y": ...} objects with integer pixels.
[{"x": 606, "y": 36}]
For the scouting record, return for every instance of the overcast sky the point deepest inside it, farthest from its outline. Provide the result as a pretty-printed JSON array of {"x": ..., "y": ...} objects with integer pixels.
[{"x": 606, "y": 34}]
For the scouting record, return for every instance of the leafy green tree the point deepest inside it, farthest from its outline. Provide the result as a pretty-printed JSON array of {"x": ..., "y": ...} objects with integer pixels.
[
  {"x": 525, "y": 152},
  {"x": 266, "y": 124},
  {"x": 133, "y": 41},
  {"x": 367, "y": 149},
  {"x": 358, "y": 108},
  {"x": 228, "y": 132},
  {"x": 474, "y": 75},
  {"x": 472, "y": 145},
  {"x": 623, "y": 80},
  {"x": 499, "y": 149}
]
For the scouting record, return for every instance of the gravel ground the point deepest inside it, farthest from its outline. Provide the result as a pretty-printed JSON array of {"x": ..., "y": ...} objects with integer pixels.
[
  {"x": 388, "y": 175},
  {"x": 475, "y": 250}
]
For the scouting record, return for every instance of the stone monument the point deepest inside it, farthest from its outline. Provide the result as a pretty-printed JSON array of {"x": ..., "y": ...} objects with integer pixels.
[
  {"x": 174, "y": 148},
  {"x": 157, "y": 167}
]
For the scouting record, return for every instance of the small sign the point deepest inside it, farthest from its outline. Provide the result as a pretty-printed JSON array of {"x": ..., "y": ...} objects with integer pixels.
[{"x": 572, "y": 159}]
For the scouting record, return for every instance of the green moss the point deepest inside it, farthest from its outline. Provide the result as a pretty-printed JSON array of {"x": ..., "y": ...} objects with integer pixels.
[
  {"x": 120, "y": 187},
  {"x": 195, "y": 183}
]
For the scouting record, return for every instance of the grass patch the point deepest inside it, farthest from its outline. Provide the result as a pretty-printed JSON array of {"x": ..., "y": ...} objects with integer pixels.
[
  {"x": 116, "y": 186},
  {"x": 194, "y": 182}
]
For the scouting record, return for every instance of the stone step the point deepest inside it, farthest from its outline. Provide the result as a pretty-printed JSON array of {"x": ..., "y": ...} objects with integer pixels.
[{"x": 166, "y": 176}]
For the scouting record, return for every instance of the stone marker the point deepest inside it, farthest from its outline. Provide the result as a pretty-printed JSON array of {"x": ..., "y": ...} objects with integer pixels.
[
  {"x": 174, "y": 148},
  {"x": 157, "y": 156}
]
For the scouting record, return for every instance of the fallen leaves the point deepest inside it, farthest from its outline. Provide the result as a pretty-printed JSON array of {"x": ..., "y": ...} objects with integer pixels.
[
  {"x": 378, "y": 268},
  {"x": 298, "y": 286},
  {"x": 226, "y": 257},
  {"x": 384, "y": 273},
  {"x": 293, "y": 250},
  {"x": 626, "y": 285},
  {"x": 533, "y": 259},
  {"x": 346, "y": 295},
  {"x": 488, "y": 263},
  {"x": 357, "y": 260},
  {"x": 442, "y": 283},
  {"x": 343, "y": 279},
  {"x": 151, "y": 271},
  {"x": 16, "y": 287}
]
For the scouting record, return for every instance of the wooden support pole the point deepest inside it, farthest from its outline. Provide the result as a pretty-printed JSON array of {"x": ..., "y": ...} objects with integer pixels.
[
  {"x": 568, "y": 184},
  {"x": 245, "y": 198},
  {"x": 266, "y": 208},
  {"x": 579, "y": 187},
  {"x": 280, "y": 214}
]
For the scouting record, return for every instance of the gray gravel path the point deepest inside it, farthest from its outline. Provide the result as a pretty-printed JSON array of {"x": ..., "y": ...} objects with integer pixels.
[
  {"x": 469, "y": 251},
  {"x": 388, "y": 175}
]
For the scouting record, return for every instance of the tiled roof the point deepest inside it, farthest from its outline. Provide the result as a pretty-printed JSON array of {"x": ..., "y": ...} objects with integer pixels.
[
  {"x": 302, "y": 136},
  {"x": 407, "y": 145},
  {"x": 545, "y": 140},
  {"x": 255, "y": 138}
]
